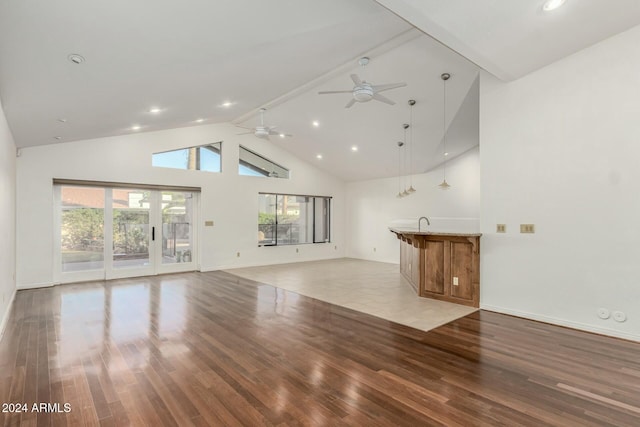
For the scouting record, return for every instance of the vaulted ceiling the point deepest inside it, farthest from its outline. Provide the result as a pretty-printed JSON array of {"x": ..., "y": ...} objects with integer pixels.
[{"x": 188, "y": 58}]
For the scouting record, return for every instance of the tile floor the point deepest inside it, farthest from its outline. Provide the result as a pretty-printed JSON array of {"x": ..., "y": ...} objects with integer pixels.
[{"x": 374, "y": 288}]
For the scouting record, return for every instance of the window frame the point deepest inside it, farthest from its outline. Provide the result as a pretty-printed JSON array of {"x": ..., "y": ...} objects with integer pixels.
[
  {"x": 261, "y": 173},
  {"x": 210, "y": 147},
  {"x": 314, "y": 239}
]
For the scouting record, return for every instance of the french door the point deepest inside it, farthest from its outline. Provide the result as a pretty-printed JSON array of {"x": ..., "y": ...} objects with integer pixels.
[{"x": 116, "y": 232}]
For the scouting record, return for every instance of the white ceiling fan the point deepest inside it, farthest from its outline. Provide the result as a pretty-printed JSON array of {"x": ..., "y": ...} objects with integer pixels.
[
  {"x": 364, "y": 91},
  {"x": 261, "y": 131}
]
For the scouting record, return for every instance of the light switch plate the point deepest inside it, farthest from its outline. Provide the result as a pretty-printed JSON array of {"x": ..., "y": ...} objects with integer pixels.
[
  {"x": 208, "y": 223},
  {"x": 501, "y": 228}
]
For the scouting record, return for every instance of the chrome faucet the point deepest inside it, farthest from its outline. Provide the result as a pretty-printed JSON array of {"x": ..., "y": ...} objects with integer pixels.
[{"x": 420, "y": 220}]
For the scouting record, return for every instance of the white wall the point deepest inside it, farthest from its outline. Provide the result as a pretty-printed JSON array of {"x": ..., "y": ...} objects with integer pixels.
[
  {"x": 7, "y": 220},
  {"x": 561, "y": 148},
  {"x": 372, "y": 206},
  {"x": 228, "y": 199}
]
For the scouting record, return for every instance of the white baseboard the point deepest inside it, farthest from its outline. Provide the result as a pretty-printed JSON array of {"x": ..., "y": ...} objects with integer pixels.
[
  {"x": 35, "y": 285},
  {"x": 5, "y": 318},
  {"x": 262, "y": 264},
  {"x": 562, "y": 322}
]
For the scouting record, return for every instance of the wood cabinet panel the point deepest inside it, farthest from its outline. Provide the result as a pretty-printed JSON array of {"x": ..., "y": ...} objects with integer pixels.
[
  {"x": 461, "y": 262},
  {"x": 414, "y": 267},
  {"x": 410, "y": 263},
  {"x": 433, "y": 255}
]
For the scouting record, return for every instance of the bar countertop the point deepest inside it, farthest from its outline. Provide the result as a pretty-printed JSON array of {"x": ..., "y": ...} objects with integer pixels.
[{"x": 415, "y": 232}]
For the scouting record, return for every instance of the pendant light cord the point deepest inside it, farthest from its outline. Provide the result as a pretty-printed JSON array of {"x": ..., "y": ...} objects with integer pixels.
[
  {"x": 399, "y": 169},
  {"x": 411, "y": 145},
  {"x": 444, "y": 128},
  {"x": 405, "y": 156}
]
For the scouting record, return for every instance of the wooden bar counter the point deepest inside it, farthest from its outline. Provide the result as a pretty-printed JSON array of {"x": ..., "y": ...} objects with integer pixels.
[{"x": 443, "y": 266}]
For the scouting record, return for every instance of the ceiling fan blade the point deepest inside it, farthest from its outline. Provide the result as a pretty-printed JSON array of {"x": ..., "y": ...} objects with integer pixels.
[
  {"x": 380, "y": 88},
  {"x": 245, "y": 133},
  {"x": 280, "y": 134},
  {"x": 325, "y": 92},
  {"x": 356, "y": 79},
  {"x": 384, "y": 99},
  {"x": 350, "y": 103}
]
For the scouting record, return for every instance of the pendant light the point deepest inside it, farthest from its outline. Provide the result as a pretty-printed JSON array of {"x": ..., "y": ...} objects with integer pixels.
[
  {"x": 411, "y": 104},
  {"x": 400, "y": 195},
  {"x": 444, "y": 185},
  {"x": 404, "y": 144}
]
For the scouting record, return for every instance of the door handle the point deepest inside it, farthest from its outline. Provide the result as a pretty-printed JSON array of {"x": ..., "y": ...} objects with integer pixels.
[{"x": 153, "y": 234}]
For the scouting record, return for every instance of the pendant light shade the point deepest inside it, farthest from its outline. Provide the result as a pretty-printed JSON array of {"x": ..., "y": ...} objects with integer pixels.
[{"x": 444, "y": 185}]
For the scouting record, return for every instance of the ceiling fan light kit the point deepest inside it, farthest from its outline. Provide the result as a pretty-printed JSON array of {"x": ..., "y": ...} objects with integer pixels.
[
  {"x": 364, "y": 91},
  {"x": 263, "y": 132}
]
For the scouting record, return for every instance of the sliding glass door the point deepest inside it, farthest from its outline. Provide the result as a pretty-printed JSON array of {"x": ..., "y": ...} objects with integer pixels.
[{"x": 106, "y": 233}]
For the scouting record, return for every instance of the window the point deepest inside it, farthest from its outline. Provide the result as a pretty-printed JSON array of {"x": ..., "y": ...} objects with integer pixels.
[
  {"x": 253, "y": 164},
  {"x": 202, "y": 158},
  {"x": 285, "y": 219}
]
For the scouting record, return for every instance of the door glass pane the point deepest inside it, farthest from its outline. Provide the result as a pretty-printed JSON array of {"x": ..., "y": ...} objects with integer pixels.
[
  {"x": 177, "y": 219},
  {"x": 130, "y": 227},
  {"x": 82, "y": 228},
  {"x": 266, "y": 219},
  {"x": 294, "y": 220},
  {"x": 321, "y": 218}
]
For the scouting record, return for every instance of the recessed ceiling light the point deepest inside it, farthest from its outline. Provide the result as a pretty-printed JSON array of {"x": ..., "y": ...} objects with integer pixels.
[
  {"x": 319, "y": 156},
  {"x": 136, "y": 127},
  {"x": 282, "y": 135},
  {"x": 57, "y": 137},
  {"x": 315, "y": 123},
  {"x": 354, "y": 148},
  {"x": 62, "y": 120},
  {"x": 227, "y": 104},
  {"x": 446, "y": 154},
  {"x": 154, "y": 110},
  {"x": 550, "y": 5},
  {"x": 199, "y": 120},
  {"x": 75, "y": 58}
]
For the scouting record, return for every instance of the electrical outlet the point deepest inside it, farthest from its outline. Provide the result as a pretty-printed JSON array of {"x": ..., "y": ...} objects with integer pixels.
[
  {"x": 297, "y": 250},
  {"x": 603, "y": 313},
  {"x": 238, "y": 255},
  {"x": 374, "y": 249},
  {"x": 527, "y": 228},
  {"x": 208, "y": 223},
  {"x": 455, "y": 281},
  {"x": 335, "y": 247},
  {"x": 619, "y": 316},
  {"x": 501, "y": 228}
]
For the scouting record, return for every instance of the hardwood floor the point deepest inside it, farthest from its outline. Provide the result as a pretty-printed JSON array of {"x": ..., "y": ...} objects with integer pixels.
[{"x": 216, "y": 349}]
